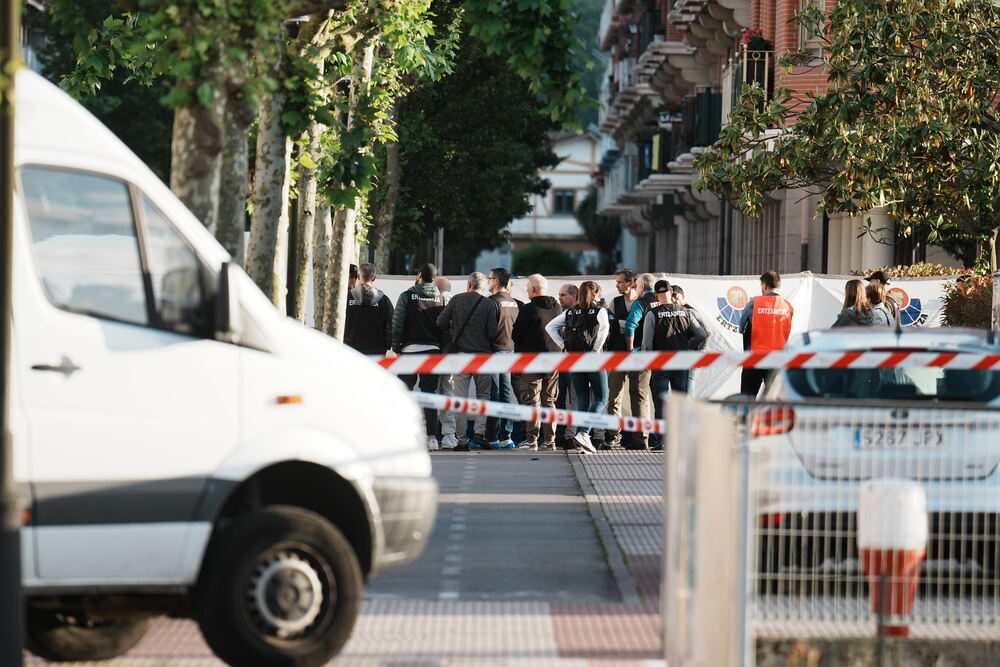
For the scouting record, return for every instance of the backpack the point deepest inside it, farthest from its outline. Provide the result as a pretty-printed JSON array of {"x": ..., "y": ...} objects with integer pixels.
[{"x": 581, "y": 329}]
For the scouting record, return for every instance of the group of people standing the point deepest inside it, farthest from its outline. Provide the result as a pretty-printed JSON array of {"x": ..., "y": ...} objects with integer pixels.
[
  {"x": 647, "y": 314},
  {"x": 868, "y": 305}
]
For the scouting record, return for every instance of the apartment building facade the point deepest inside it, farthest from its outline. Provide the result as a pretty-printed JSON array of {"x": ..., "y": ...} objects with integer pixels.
[
  {"x": 551, "y": 221},
  {"x": 676, "y": 69}
]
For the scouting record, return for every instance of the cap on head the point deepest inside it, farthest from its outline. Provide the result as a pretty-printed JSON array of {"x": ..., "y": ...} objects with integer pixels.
[
  {"x": 661, "y": 286},
  {"x": 878, "y": 275},
  {"x": 677, "y": 289}
]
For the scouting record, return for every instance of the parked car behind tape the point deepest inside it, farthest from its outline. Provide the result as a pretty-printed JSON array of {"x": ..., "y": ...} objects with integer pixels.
[{"x": 819, "y": 433}]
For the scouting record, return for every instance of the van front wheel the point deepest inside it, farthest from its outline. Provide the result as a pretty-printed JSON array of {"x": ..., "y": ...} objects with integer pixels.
[
  {"x": 280, "y": 586},
  {"x": 56, "y": 635}
]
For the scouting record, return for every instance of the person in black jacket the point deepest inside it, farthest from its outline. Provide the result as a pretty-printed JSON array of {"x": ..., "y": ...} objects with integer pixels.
[
  {"x": 681, "y": 300},
  {"x": 415, "y": 331},
  {"x": 584, "y": 328},
  {"x": 368, "y": 328},
  {"x": 669, "y": 327},
  {"x": 498, "y": 431},
  {"x": 539, "y": 389}
]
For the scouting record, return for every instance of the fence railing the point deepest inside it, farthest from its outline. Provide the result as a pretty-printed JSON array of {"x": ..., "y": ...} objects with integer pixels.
[
  {"x": 744, "y": 69},
  {"x": 811, "y": 555},
  {"x": 809, "y": 573}
]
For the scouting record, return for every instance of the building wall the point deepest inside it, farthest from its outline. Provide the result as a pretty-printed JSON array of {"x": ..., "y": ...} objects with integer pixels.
[
  {"x": 578, "y": 153},
  {"x": 650, "y": 87}
]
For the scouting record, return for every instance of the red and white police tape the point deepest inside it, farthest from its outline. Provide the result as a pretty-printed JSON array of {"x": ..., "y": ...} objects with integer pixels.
[
  {"x": 580, "y": 362},
  {"x": 531, "y": 413}
]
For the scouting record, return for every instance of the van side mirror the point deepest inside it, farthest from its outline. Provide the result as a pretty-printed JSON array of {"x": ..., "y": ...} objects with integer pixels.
[{"x": 228, "y": 327}]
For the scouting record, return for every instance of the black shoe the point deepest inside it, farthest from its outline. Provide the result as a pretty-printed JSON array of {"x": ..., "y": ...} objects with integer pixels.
[
  {"x": 636, "y": 448},
  {"x": 658, "y": 447},
  {"x": 461, "y": 447}
]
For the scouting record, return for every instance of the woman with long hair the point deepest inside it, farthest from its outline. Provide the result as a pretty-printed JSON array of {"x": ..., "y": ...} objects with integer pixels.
[
  {"x": 856, "y": 311},
  {"x": 584, "y": 328},
  {"x": 881, "y": 315}
]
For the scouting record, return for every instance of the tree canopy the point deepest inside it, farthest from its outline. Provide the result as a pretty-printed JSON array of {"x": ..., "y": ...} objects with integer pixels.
[
  {"x": 128, "y": 108},
  {"x": 471, "y": 146},
  {"x": 909, "y": 122},
  {"x": 544, "y": 259}
]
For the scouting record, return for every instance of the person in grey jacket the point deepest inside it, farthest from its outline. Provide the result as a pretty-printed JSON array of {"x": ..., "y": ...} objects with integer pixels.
[
  {"x": 860, "y": 310},
  {"x": 468, "y": 324}
]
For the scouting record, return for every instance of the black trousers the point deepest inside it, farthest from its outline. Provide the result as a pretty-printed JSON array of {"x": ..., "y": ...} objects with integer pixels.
[{"x": 752, "y": 379}]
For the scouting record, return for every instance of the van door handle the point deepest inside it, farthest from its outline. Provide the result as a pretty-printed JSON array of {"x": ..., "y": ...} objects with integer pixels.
[{"x": 65, "y": 366}]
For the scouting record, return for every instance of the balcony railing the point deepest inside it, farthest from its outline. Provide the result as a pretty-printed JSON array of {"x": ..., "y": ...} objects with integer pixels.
[{"x": 745, "y": 69}]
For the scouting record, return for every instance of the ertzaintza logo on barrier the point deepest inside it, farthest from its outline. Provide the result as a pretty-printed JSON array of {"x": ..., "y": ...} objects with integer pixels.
[{"x": 730, "y": 306}]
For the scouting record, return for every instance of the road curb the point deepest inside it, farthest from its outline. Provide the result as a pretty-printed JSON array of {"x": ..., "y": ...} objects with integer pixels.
[{"x": 612, "y": 549}]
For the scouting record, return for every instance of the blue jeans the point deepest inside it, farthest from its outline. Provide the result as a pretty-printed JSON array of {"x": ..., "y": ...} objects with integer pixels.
[
  {"x": 661, "y": 382},
  {"x": 501, "y": 390},
  {"x": 595, "y": 386},
  {"x": 563, "y": 403}
]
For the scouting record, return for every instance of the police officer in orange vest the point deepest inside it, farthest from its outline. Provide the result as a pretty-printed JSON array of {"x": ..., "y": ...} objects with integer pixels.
[{"x": 765, "y": 323}]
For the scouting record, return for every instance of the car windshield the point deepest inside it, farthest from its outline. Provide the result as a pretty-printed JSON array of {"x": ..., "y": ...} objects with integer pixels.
[{"x": 931, "y": 384}]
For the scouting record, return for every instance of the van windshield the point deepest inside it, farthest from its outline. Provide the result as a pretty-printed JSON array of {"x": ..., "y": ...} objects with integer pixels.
[{"x": 930, "y": 384}]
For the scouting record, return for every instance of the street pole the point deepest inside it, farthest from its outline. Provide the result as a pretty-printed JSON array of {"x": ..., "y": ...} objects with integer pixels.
[
  {"x": 11, "y": 604},
  {"x": 996, "y": 302},
  {"x": 439, "y": 250}
]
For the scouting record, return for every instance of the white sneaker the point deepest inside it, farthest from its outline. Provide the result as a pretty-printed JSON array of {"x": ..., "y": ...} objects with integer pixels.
[
  {"x": 528, "y": 444},
  {"x": 583, "y": 439},
  {"x": 449, "y": 441},
  {"x": 432, "y": 444}
]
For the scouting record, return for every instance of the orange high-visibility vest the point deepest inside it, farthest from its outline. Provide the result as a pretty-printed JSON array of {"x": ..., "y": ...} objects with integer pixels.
[{"x": 770, "y": 323}]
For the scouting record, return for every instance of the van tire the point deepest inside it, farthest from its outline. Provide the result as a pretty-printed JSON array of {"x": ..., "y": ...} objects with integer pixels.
[
  {"x": 279, "y": 586},
  {"x": 56, "y": 636}
]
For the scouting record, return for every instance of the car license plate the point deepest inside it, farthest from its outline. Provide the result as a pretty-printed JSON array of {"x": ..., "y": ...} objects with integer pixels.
[{"x": 898, "y": 437}]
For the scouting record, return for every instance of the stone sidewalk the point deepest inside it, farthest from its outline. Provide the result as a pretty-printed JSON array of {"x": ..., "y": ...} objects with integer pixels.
[{"x": 623, "y": 493}]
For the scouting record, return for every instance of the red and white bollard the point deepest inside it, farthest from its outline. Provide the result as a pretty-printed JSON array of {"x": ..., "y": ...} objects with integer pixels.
[{"x": 892, "y": 539}]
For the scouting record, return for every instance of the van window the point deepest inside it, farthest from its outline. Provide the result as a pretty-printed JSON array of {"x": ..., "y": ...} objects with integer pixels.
[
  {"x": 925, "y": 384},
  {"x": 176, "y": 273},
  {"x": 84, "y": 243}
]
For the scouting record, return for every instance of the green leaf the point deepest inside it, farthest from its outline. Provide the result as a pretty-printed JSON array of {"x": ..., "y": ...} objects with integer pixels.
[
  {"x": 306, "y": 160},
  {"x": 178, "y": 96},
  {"x": 206, "y": 93}
]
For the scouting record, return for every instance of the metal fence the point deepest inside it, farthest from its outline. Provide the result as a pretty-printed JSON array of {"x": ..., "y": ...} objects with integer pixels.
[
  {"x": 810, "y": 464},
  {"x": 763, "y": 507}
]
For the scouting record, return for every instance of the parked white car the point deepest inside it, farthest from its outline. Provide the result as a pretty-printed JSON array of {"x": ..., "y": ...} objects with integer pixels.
[
  {"x": 820, "y": 433},
  {"x": 181, "y": 447}
]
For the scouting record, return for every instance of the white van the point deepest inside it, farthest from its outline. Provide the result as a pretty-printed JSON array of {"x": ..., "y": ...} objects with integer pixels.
[{"x": 180, "y": 446}]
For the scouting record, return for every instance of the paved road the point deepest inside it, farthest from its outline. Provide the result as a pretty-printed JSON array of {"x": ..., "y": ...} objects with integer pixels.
[
  {"x": 511, "y": 526},
  {"x": 536, "y": 559}
]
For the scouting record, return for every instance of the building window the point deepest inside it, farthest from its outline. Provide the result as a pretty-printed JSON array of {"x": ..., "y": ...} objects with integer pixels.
[
  {"x": 809, "y": 40},
  {"x": 564, "y": 202}
]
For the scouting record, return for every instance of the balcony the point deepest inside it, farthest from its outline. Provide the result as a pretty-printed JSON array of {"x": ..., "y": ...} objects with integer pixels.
[{"x": 745, "y": 69}]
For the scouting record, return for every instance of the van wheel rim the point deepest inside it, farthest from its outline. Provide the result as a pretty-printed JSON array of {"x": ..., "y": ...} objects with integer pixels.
[{"x": 285, "y": 594}]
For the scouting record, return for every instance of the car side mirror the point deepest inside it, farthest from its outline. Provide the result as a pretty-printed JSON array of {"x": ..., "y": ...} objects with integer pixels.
[{"x": 228, "y": 327}]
